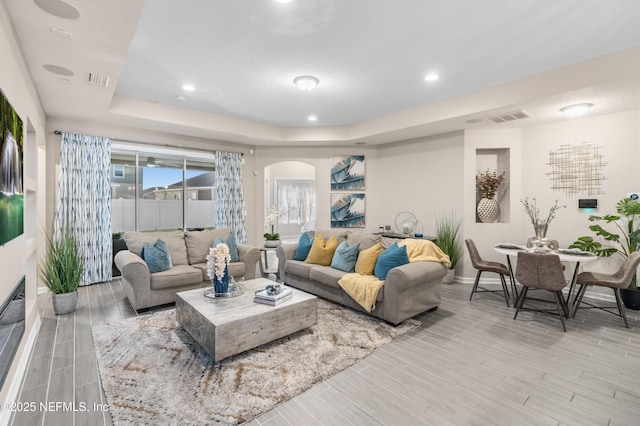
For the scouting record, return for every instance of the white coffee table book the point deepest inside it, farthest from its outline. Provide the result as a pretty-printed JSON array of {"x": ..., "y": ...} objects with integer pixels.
[{"x": 229, "y": 326}]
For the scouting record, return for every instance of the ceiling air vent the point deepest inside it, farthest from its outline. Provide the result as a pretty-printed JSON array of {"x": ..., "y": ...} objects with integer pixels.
[
  {"x": 509, "y": 116},
  {"x": 98, "y": 79}
]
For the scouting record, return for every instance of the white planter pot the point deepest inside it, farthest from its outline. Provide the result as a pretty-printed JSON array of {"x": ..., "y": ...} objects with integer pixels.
[{"x": 272, "y": 243}]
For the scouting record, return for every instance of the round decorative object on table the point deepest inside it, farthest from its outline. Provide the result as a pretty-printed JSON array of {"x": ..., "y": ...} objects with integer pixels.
[
  {"x": 541, "y": 242},
  {"x": 234, "y": 290},
  {"x": 488, "y": 210},
  {"x": 272, "y": 243},
  {"x": 406, "y": 222}
]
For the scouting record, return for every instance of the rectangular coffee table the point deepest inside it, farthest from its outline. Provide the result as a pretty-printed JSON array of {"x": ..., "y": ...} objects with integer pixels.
[{"x": 228, "y": 326}]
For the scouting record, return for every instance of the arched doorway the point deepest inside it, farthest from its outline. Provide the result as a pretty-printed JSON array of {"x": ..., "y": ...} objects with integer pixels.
[{"x": 290, "y": 189}]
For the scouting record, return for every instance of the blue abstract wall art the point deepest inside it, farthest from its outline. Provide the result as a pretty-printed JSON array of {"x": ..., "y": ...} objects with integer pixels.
[
  {"x": 347, "y": 173},
  {"x": 347, "y": 210}
]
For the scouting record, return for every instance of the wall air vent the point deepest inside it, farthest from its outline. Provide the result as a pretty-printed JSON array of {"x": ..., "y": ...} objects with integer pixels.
[
  {"x": 98, "y": 79},
  {"x": 508, "y": 116}
]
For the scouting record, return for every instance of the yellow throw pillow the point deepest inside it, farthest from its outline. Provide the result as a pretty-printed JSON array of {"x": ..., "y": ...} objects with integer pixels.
[
  {"x": 367, "y": 259},
  {"x": 321, "y": 253}
]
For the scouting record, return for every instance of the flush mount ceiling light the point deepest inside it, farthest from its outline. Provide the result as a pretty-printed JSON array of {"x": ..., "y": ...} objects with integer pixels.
[
  {"x": 283, "y": 1},
  {"x": 306, "y": 82},
  {"x": 312, "y": 118},
  {"x": 431, "y": 77},
  {"x": 576, "y": 110},
  {"x": 189, "y": 87}
]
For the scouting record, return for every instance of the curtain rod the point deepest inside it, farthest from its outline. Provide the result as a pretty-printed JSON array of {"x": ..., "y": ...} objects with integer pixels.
[{"x": 166, "y": 145}]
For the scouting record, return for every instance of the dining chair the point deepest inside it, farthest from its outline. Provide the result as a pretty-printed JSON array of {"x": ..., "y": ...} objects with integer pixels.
[
  {"x": 487, "y": 266},
  {"x": 541, "y": 271},
  {"x": 620, "y": 279}
]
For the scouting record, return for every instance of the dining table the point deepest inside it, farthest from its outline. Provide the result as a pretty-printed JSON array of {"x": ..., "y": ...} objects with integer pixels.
[{"x": 566, "y": 255}]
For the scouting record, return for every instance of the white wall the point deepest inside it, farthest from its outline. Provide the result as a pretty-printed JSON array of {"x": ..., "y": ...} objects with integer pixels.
[
  {"x": 18, "y": 257},
  {"x": 619, "y": 137}
]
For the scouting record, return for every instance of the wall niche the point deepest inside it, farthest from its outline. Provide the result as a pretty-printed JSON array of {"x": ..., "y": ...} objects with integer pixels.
[{"x": 496, "y": 159}]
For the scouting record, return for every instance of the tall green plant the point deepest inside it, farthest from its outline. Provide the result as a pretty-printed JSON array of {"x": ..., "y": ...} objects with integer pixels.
[
  {"x": 63, "y": 266},
  {"x": 448, "y": 237},
  {"x": 624, "y": 242}
]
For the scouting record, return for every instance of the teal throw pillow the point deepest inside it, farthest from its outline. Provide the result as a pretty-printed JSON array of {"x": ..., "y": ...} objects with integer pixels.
[
  {"x": 390, "y": 258},
  {"x": 345, "y": 257},
  {"x": 304, "y": 246},
  {"x": 231, "y": 243},
  {"x": 157, "y": 256}
]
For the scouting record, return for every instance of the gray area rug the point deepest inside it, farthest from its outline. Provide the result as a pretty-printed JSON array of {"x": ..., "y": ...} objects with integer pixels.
[{"x": 153, "y": 372}]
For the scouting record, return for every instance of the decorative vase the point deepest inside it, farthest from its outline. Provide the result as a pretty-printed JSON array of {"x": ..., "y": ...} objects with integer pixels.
[
  {"x": 65, "y": 303},
  {"x": 541, "y": 242},
  {"x": 488, "y": 210},
  {"x": 449, "y": 278},
  {"x": 221, "y": 286},
  {"x": 272, "y": 243}
]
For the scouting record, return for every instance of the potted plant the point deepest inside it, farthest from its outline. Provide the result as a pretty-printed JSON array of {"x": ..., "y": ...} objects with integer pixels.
[
  {"x": 448, "y": 239},
  {"x": 271, "y": 217},
  {"x": 61, "y": 271},
  {"x": 488, "y": 183},
  {"x": 622, "y": 242}
]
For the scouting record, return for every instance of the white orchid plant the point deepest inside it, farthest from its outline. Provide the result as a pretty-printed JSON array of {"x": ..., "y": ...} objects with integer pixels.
[
  {"x": 271, "y": 216},
  {"x": 217, "y": 261}
]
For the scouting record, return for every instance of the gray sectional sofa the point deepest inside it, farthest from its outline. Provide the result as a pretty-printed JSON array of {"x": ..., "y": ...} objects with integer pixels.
[
  {"x": 409, "y": 289},
  {"x": 188, "y": 251}
]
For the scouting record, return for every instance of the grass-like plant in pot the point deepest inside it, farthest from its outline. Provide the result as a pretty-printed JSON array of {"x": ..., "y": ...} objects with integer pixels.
[
  {"x": 623, "y": 240},
  {"x": 448, "y": 239},
  {"x": 62, "y": 270}
]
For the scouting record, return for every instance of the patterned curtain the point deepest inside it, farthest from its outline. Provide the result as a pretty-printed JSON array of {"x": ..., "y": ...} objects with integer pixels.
[
  {"x": 84, "y": 201},
  {"x": 229, "y": 201}
]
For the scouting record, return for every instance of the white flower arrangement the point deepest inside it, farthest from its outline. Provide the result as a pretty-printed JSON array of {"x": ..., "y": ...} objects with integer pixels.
[
  {"x": 271, "y": 216},
  {"x": 217, "y": 261}
]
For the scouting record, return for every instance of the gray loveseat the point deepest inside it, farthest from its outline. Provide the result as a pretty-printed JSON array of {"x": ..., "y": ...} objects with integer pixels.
[
  {"x": 188, "y": 251},
  {"x": 409, "y": 289}
]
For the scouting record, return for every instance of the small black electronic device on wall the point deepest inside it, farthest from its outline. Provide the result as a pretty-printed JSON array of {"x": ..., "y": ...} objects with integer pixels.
[{"x": 588, "y": 203}]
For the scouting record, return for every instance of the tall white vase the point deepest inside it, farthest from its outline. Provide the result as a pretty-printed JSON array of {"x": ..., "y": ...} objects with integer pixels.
[{"x": 488, "y": 210}]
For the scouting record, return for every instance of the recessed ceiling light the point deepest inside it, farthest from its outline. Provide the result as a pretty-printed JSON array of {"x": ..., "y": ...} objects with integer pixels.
[
  {"x": 306, "y": 82},
  {"x": 283, "y": 1},
  {"x": 189, "y": 87},
  {"x": 58, "y": 8},
  {"x": 431, "y": 77},
  {"x": 312, "y": 118},
  {"x": 181, "y": 98},
  {"x": 577, "y": 109}
]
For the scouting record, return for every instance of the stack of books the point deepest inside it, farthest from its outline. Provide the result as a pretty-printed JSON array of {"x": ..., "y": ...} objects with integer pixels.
[{"x": 263, "y": 297}]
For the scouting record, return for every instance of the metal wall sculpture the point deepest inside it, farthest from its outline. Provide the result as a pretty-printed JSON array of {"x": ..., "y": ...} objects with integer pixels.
[{"x": 577, "y": 168}]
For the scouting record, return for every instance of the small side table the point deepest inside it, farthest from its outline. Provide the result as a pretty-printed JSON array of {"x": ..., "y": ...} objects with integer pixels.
[{"x": 264, "y": 263}]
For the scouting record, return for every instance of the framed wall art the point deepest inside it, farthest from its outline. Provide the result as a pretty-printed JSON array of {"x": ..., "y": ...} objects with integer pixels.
[
  {"x": 11, "y": 193},
  {"x": 347, "y": 173},
  {"x": 348, "y": 210}
]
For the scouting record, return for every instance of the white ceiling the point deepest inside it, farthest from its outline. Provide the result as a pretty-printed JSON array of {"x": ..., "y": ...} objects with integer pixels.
[{"x": 371, "y": 57}]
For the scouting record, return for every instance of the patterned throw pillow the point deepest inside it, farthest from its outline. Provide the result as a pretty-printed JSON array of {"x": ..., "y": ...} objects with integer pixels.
[
  {"x": 345, "y": 257},
  {"x": 156, "y": 256},
  {"x": 231, "y": 243}
]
